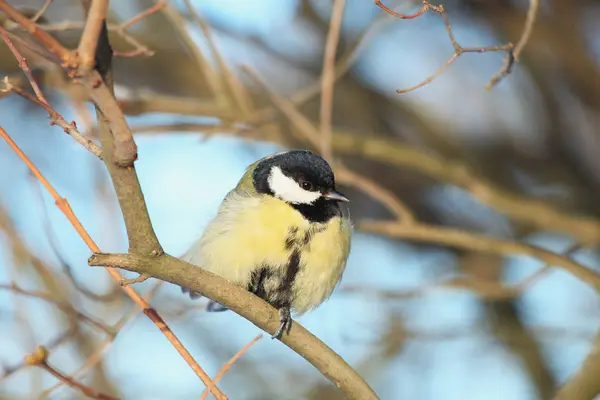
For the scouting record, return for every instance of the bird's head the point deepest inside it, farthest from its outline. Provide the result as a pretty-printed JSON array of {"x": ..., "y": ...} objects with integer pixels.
[{"x": 298, "y": 177}]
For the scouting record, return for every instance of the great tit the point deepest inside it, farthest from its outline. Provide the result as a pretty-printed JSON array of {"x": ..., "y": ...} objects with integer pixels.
[{"x": 281, "y": 234}]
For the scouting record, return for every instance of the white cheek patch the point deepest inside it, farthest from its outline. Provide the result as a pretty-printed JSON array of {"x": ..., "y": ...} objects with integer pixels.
[{"x": 288, "y": 189}]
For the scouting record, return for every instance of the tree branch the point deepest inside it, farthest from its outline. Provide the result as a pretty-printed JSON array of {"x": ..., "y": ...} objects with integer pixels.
[
  {"x": 118, "y": 153},
  {"x": 64, "y": 206},
  {"x": 328, "y": 78},
  {"x": 91, "y": 33},
  {"x": 585, "y": 384},
  {"x": 242, "y": 302},
  {"x": 465, "y": 240},
  {"x": 49, "y": 42}
]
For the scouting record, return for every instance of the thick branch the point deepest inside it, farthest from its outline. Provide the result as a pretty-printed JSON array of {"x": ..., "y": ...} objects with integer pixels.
[
  {"x": 585, "y": 384},
  {"x": 465, "y": 240},
  {"x": 520, "y": 208},
  {"x": 91, "y": 33},
  {"x": 255, "y": 310},
  {"x": 118, "y": 153},
  {"x": 124, "y": 149}
]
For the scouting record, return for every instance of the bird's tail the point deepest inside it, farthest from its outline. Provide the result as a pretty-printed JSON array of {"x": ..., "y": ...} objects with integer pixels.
[{"x": 212, "y": 306}]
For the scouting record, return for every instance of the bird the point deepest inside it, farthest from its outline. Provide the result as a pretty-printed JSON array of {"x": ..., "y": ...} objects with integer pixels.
[{"x": 281, "y": 233}]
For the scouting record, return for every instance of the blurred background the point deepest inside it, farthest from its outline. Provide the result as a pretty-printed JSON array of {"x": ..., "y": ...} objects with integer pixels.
[{"x": 200, "y": 120}]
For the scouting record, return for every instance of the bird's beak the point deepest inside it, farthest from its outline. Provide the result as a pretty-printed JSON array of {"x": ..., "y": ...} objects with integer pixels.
[{"x": 335, "y": 196}]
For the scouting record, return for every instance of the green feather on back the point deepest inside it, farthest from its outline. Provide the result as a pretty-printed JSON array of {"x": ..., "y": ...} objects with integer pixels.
[{"x": 246, "y": 184}]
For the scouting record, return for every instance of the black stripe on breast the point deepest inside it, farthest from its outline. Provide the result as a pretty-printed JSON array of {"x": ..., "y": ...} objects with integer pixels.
[
  {"x": 284, "y": 296},
  {"x": 281, "y": 295},
  {"x": 257, "y": 281}
]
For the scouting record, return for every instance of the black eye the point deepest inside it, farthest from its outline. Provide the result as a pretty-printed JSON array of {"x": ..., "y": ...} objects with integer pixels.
[{"x": 306, "y": 185}]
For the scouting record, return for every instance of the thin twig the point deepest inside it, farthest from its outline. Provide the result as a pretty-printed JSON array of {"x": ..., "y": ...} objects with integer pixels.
[
  {"x": 24, "y": 66},
  {"x": 147, "y": 12},
  {"x": 86, "y": 390},
  {"x": 49, "y": 42},
  {"x": 103, "y": 347},
  {"x": 510, "y": 59},
  {"x": 39, "y": 358},
  {"x": 51, "y": 344},
  {"x": 328, "y": 76},
  {"x": 139, "y": 279},
  {"x": 458, "y": 50},
  {"x": 426, "y": 7},
  {"x": 212, "y": 78},
  {"x": 343, "y": 65},
  {"x": 57, "y": 119},
  {"x": 64, "y": 206},
  {"x": 62, "y": 305},
  {"x": 373, "y": 189},
  {"x": 229, "y": 363},
  {"x": 139, "y": 49},
  {"x": 41, "y": 11},
  {"x": 236, "y": 89},
  {"x": 66, "y": 268}
]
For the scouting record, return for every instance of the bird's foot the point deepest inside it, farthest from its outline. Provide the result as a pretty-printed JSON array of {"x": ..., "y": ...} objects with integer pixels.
[
  {"x": 213, "y": 306},
  {"x": 285, "y": 318},
  {"x": 193, "y": 295}
]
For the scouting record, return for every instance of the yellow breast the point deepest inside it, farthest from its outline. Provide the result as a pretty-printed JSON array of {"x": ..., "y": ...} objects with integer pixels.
[{"x": 251, "y": 232}]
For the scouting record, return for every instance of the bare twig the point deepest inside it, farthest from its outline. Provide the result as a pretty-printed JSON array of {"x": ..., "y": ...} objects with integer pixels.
[
  {"x": 458, "y": 50},
  {"x": 509, "y": 60},
  {"x": 64, "y": 206},
  {"x": 229, "y": 363},
  {"x": 465, "y": 240},
  {"x": 51, "y": 344},
  {"x": 41, "y": 11},
  {"x": 137, "y": 18},
  {"x": 57, "y": 119},
  {"x": 139, "y": 279},
  {"x": 426, "y": 7},
  {"x": 139, "y": 49},
  {"x": 24, "y": 67},
  {"x": 103, "y": 347},
  {"x": 212, "y": 78},
  {"x": 62, "y": 305},
  {"x": 49, "y": 42},
  {"x": 374, "y": 190},
  {"x": 343, "y": 65},
  {"x": 328, "y": 76},
  {"x": 235, "y": 88},
  {"x": 39, "y": 358},
  {"x": 113, "y": 294}
]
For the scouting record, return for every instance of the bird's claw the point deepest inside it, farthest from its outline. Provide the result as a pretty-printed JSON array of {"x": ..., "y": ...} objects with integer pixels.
[{"x": 285, "y": 318}]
